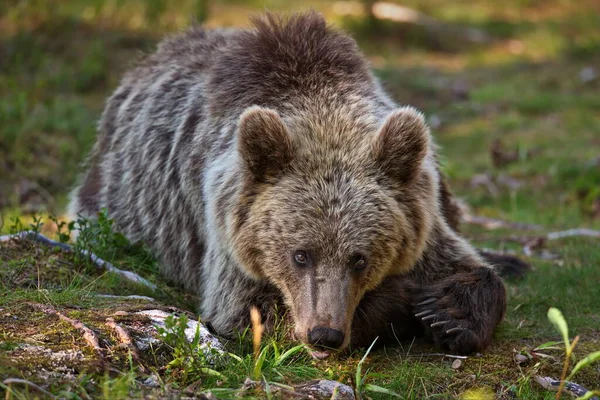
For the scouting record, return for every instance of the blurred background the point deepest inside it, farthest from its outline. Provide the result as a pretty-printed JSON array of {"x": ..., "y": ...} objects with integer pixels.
[{"x": 511, "y": 89}]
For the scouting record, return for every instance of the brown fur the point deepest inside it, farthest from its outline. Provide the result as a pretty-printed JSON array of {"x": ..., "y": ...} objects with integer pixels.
[{"x": 267, "y": 167}]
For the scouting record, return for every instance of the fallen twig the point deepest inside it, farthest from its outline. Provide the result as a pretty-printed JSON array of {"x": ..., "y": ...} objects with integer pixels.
[
  {"x": 11, "y": 381},
  {"x": 100, "y": 263},
  {"x": 129, "y": 297},
  {"x": 125, "y": 339},
  {"x": 529, "y": 243},
  {"x": 571, "y": 388},
  {"x": 438, "y": 355},
  {"x": 493, "y": 223},
  {"x": 88, "y": 335},
  {"x": 573, "y": 232}
]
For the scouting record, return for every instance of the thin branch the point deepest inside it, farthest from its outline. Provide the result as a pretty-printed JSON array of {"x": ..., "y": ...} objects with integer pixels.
[
  {"x": 573, "y": 232},
  {"x": 100, "y": 263},
  {"x": 128, "y": 297},
  {"x": 438, "y": 355},
  {"x": 25, "y": 382},
  {"x": 493, "y": 223}
]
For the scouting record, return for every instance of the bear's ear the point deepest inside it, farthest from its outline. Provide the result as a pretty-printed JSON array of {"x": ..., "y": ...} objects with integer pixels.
[
  {"x": 263, "y": 142},
  {"x": 402, "y": 143}
]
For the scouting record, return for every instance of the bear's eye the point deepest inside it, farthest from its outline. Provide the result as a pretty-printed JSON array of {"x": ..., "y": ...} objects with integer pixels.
[
  {"x": 358, "y": 262},
  {"x": 300, "y": 257}
]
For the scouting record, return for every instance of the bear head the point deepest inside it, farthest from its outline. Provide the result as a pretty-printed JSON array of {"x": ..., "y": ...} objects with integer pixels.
[{"x": 330, "y": 207}]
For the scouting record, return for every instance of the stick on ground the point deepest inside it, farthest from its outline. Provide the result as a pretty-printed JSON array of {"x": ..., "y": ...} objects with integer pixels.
[{"x": 100, "y": 263}]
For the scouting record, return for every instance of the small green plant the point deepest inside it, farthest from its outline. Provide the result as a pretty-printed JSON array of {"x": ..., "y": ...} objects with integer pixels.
[
  {"x": 270, "y": 357},
  {"x": 16, "y": 225},
  {"x": 558, "y": 320},
  {"x": 63, "y": 230},
  {"x": 360, "y": 379},
  {"x": 98, "y": 236},
  {"x": 193, "y": 359}
]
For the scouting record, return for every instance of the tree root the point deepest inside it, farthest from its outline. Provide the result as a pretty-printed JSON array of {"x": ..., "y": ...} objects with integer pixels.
[
  {"x": 88, "y": 335},
  {"x": 98, "y": 262},
  {"x": 125, "y": 339}
]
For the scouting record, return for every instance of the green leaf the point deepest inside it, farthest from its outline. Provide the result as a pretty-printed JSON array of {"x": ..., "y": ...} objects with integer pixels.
[
  {"x": 235, "y": 357},
  {"x": 379, "y": 389},
  {"x": 212, "y": 372},
  {"x": 258, "y": 364},
  {"x": 557, "y": 319},
  {"x": 288, "y": 354},
  {"x": 547, "y": 345},
  {"x": 590, "y": 358}
]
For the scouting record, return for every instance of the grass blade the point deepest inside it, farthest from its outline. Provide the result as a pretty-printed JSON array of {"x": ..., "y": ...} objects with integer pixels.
[
  {"x": 358, "y": 378},
  {"x": 258, "y": 364},
  {"x": 548, "y": 345},
  {"x": 379, "y": 389},
  {"x": 287, "y": 354}
]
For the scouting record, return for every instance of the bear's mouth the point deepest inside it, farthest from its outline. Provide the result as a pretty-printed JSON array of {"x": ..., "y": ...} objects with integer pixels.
[{"x": 320, "y": 354}]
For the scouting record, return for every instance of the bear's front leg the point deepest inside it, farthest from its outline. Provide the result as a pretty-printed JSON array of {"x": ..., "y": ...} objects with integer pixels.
[{"x": 461, "y": 311}]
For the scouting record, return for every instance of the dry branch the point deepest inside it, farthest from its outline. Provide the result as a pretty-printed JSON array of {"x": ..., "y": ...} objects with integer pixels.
[
  {"x": 493, "y": 223},
  {"x": 127, "y": 297},
  {"x": 573, "y": 232},
  {"x": 11, "y": 381},
  {"x": 529, "y": 243},
  {"x": 98, "y": 262},
  {"x": 439, "y": 355}
]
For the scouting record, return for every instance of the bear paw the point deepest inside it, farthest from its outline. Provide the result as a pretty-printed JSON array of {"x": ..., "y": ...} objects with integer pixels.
[
  {"x": 461, "y": 313},
  {"x": 447, "y": 326}
]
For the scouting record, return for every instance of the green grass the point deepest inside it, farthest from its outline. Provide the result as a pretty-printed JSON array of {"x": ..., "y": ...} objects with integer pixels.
[{"x": 59, "y": 60}]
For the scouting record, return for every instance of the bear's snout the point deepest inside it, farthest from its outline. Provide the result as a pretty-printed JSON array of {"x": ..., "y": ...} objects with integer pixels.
[{"x": 326, "y": 337}]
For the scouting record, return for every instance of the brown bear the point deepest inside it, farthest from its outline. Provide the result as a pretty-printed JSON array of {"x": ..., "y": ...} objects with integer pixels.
[{"x": 267, "y": 167}]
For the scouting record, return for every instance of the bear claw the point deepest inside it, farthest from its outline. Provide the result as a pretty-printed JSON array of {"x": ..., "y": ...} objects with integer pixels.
[
  {"x": 455, "y": 330},
  {"x": 427, "y": 301},
  {"x": 439, "y": 323},
  {"x": 423, "y": 313}
]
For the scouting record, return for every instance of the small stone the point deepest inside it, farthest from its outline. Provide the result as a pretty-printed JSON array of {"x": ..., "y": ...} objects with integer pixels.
[
  {"x": 587, "y": 74},
  {"x": 208, "y": 396},
  {"x": 456, "y": 363},
  {"x": 121, "y": 313},
  {"x": 520, "y": 358},
  {"x": 324, "y": 389},
  {"x": 152, "y": 381}
]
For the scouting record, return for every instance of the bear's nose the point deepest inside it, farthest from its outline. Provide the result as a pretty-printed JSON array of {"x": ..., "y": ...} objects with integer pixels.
[{"x": 325, "y": 337}]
